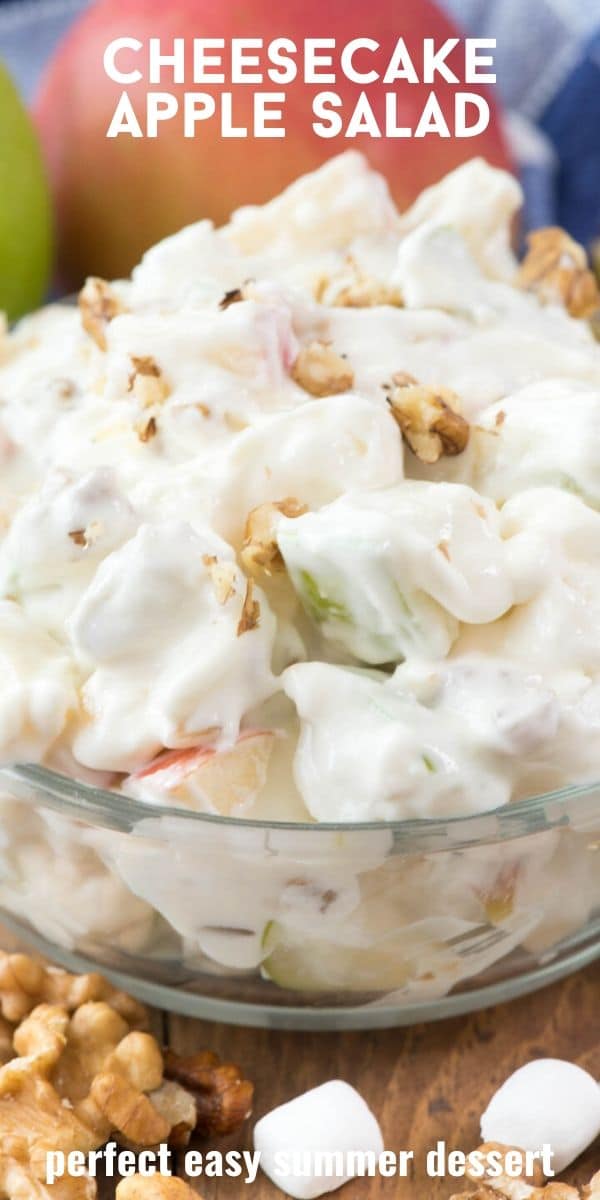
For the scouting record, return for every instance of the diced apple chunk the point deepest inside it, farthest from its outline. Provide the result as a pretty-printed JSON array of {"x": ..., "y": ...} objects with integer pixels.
[{"x": 203, "y": 778}]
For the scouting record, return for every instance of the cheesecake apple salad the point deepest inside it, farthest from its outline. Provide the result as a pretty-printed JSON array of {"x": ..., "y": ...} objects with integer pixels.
[{"x": 301, "y": 523}]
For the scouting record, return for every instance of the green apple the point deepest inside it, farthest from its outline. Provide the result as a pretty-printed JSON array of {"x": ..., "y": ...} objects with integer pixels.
[{"x": 25, "y": 215}]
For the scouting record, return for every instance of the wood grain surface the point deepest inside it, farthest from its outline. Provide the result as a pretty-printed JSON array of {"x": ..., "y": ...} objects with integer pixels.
[{"x": 424, "y": 1083}]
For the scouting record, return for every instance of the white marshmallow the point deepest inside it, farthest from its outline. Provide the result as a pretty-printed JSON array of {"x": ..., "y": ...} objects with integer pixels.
[
  {"x": 547, "y": 1101},
  {"x": 329, "y": 1119}
]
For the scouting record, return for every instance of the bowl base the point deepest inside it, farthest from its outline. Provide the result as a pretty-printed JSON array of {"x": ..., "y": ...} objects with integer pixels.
[{"x": 375, "y": 1015}]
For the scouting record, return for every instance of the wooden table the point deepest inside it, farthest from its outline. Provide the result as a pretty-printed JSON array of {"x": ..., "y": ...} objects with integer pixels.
[{"x": 425, "y": 1083}]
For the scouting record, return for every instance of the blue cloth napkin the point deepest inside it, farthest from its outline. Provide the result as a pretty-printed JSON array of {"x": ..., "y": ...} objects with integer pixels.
[{"x": 548, "y": 77}]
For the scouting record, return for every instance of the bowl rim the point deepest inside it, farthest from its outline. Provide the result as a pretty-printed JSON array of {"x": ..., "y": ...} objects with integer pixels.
[{"x": 536, "y": 813}]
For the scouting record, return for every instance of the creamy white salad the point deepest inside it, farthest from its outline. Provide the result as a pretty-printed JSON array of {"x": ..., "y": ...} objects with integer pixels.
[{"x": 303, "y": 520}]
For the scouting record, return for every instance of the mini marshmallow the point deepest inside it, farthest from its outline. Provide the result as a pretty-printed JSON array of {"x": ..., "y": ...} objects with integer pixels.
[
  {"x": 301, "y": 1142},
  {"x": 545, "y": 1102}
]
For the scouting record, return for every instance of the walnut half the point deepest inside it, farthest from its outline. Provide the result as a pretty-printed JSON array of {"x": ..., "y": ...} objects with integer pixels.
[
  {"x": 260, "y": 551},
  {"x": 223, "y": 1097},
  {"x": 505, "y": 1187},
  {"x": 321, "y": 371},
  {"x": 429, "y": 418},
  {"x": 556, "y": 268}
]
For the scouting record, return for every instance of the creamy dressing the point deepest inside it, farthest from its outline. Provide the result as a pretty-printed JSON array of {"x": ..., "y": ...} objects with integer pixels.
[{"x": 431, "y": 646}]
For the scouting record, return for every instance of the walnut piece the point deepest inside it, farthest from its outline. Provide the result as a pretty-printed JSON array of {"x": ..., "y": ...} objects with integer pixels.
[
  {"x": 250, "y": 614},
  {"x": 592, "y": 1190},
  {"x": 321, "y": 371},
  {"x": 26, "y": 982},
  {"x": 512, "y": 1188},
  {"x": 233, "y": 296},
  {"x": 146, "y": 430},
  {"x": 260, "y": 551},
  {"x": 353, "y": 289},
  {"x": 147, "y": 381},
  {"x": 223, "y": 1097},
  {"x": 178, "y": 1107},
  {"x": 80, "y": 1071},
  {"x": 505, "y": 1187},
  {"x": 154, "y": 1187},
  {"x": 98, "y": 305},
  {"x": 128, "y": 1111},
  {"x": 6, "y": 1041},
  {"x": 429, "y": 419},
  {"x": 222, "y": 575},
  {"x": 556, "y": 268}
]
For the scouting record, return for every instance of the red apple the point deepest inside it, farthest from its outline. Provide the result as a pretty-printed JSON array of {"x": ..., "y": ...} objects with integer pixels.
[
  {"x": 115, "y": 197},
  {"x": 224, "y": 782}
]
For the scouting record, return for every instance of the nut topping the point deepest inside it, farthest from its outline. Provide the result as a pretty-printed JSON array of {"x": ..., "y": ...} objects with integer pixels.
[
  {"x": 147, "y": 430},
  {"x": 222, "y": 576},
  {"x": 231, "y": 297},
  {"x": 98, "y": 305},
  {"x": 430, "y": 422},
  {"x": 556, "y": 268},
  {"x": 353, "y": 289},
  {"x": 147, "y": 381},
  {"x": 250, "y": 614},
  {"x": 260, "y": 551},
  {"x": 320, "y": 371}
]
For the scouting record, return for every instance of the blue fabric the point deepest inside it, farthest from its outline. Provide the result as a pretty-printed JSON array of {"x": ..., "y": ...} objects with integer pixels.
[
  {"x": 572, "y": 123},
  {"x": 548, "y": 68}
]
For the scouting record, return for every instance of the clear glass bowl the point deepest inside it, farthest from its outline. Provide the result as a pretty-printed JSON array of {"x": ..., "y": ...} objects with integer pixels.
[{"x": 301, "y": 926}]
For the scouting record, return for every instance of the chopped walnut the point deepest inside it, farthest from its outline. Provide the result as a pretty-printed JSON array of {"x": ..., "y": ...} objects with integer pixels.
[
  {"x": 260, "y": 551},
  {"x": 505, "y": 1187},
  {"x": 429, "y": 419},
  {"x": 95, "y": 1030},
  {"x": 98, "y": 305},
  {"x": 25, "y": 982},
  {"x": 178, "y": 1106},
  {"x": 42, "y": 1036},
  {"x": 146, "y": 430},
  {"x": 34, "y": 1117},
  {"x": 223, "y": 1097},
  {"x": 222, "y": 575},
  {"x": 513, "y": 1188},
  {"x": 21, "y": 985},
  {"x": 233, "y": 296},
  {"x": 250, "y": 614},
  {"x": 86, "y": 537},
  {"x": 6, "y": 1041},
  {"x": 321, "y": 371},
  {"x": 78, "y": 537},
  {"x": 17, "y": 1181},
  {"x": 556, "y": 268},
  {"x": 154, "y": 1187},
  {"x": 353, "y": 289},
  {"x": 81, "y": 1074},
  {"x": 63, "y": 389},
  {"x": 128, "y": 1111},
  {"x": 234, "y": 422},
  {"x": 147, "y": 381}
]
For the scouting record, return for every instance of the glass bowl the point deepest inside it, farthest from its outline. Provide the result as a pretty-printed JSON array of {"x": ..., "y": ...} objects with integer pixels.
[{"x": 301, "y": 926}]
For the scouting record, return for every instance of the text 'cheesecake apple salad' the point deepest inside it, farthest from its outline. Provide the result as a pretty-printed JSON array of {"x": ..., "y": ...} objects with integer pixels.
[{"x": 302, "y": 521}]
